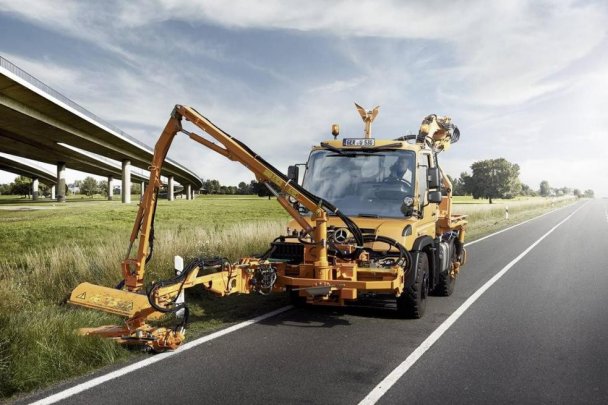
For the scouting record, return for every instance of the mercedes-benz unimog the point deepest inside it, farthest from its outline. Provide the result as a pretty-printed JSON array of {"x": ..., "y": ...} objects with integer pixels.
[{"x": 371, "y": 219}]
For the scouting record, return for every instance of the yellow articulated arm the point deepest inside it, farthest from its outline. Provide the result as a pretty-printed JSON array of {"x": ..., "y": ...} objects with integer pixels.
[
  {"x": 134, "y": 268},
  {"x": 220, "y": 278}
]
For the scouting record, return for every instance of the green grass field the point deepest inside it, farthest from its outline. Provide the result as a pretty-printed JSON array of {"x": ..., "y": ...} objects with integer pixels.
[{"x": 48, "y": 248}]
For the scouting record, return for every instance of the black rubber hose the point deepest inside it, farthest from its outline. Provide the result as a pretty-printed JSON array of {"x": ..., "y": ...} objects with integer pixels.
[
  {"x": 404, "y": 255},
  {"x": 151, "y": 236},
  {"x": 180, "y": 278}
]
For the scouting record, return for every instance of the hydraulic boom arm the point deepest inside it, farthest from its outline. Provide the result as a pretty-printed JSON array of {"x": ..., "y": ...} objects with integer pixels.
[{"x": 134, "y": 268}]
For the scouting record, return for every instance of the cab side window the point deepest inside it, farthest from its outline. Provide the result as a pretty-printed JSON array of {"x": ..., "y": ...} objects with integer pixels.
[{"x": 421, "y": 172}]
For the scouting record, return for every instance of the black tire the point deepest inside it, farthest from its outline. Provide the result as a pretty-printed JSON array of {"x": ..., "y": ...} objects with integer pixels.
[
  {"x": 446, "y": 280},
  {"x": 411, "y": 303}
]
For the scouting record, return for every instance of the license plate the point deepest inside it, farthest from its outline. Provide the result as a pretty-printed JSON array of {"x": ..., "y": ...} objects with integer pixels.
[{"x": 358, "y": 142}]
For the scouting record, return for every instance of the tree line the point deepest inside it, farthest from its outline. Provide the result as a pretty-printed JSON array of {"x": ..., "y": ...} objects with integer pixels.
[
  {"x": 499, "y": 178},
  {"x": 89, "y": 186},
  {"x": 213, "y": 186}
]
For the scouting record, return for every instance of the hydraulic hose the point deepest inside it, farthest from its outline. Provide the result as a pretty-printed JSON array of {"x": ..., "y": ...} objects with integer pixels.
[
  {"x": 180, "y": 278},
  {"x": 151, "y": 236},
  {"x": 405, "y": 258}
]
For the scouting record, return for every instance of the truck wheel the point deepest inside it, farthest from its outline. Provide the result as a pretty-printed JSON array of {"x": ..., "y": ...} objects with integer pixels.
[
  {"x": 295, "y": 299},
  {"x": 447, "y": 279},
  {"x": 412, "y": 302}
]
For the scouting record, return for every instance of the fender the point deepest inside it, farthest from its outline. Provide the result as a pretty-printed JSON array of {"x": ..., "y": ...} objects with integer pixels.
[{"x": 419, "y": 247}]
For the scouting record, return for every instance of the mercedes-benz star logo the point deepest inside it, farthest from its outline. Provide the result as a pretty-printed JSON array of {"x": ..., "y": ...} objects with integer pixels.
[{"x": 341, "y": 235}]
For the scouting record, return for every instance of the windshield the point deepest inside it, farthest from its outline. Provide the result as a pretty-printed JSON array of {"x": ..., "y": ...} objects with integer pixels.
[{"x": 362, "y": 183}]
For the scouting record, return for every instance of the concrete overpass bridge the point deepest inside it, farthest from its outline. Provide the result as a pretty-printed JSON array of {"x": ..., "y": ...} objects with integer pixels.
[
  {"x": 36, "y": 173},
  {"x": 39, "y": 123},
  {"x": 81, "y": 162}
]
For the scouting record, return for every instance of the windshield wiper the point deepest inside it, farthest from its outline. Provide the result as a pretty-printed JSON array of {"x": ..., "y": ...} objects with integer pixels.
[
  {"x": 368, "y": 215},
  {"x": 332, "y": 148}
]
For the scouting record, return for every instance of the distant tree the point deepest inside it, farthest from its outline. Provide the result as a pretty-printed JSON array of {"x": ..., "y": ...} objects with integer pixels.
[
  {"x": 515, "y": 189},
  {"x": 89, "y": 186},
  {"x": 5, "y": 188},
  {"x": 577, "y": 193},
  {"x": 527, "y": 191},
  {"x": 103, "y": 187},
  {"x": 494, "y": 178},
  {"x": 253, "y": 187},
  {"x": 227, "y": 190},
  {"x": 244, "y": 188},
  {"x": 589, "y": 194},
  {"x": 545, "y": 189},
  {"x": 457, "y": 185},
  {"x": 212, "y": 186},
  {"x": 43, "y": 189},
  {"x": 21, "y": 186},
  {"x": 467, "y": 183},
  {"x": 135, "y": 188},
  {"x": 260, "y": 189}
]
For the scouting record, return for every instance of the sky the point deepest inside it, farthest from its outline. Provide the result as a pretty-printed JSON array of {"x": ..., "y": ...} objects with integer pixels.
[{"x": 523, "y": 80}]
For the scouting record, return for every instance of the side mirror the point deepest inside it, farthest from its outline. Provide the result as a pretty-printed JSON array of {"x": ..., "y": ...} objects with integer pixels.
[
  {"x": 435, "y": 197},
  {"x": 433, "y": 177},
  {"x": 293, "y": 173}
]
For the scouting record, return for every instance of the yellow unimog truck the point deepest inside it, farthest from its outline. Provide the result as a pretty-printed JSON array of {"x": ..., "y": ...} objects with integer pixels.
[{"x": 372, "y": 219}]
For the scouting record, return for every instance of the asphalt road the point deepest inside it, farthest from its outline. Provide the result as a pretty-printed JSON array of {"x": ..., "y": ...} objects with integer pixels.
[{"x": 538, "y": 335}]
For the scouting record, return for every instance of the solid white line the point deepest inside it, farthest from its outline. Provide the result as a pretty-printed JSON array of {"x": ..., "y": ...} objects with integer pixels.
[
  {"x": 154, "y": 359},
  {"x": 402, "y": 368}
]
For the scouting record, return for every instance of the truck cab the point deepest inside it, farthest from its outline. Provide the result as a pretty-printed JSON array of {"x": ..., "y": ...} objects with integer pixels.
[{"x": 391, "y": 188}]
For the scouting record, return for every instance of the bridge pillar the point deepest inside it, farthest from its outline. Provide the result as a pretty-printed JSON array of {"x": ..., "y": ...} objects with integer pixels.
[
  {"x": 110, "y": 188},
  {"x": 61, "y": 181},
  {"x": 53, "y": 192},
  {"x": 188, "y": 192},
  {"x": 125, "y": 192},
  {"x": 35, "y": 188},
  {"x": 170, "y": 189}
]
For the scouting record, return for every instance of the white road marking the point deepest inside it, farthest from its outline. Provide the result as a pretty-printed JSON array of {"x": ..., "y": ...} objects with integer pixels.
[
  {"x": 383, "y": 387},
  {"x": 153, "y": 359}
]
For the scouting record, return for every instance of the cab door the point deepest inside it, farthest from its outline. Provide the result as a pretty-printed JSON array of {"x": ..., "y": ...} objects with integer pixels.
[{"x": 426, "y": 225}]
